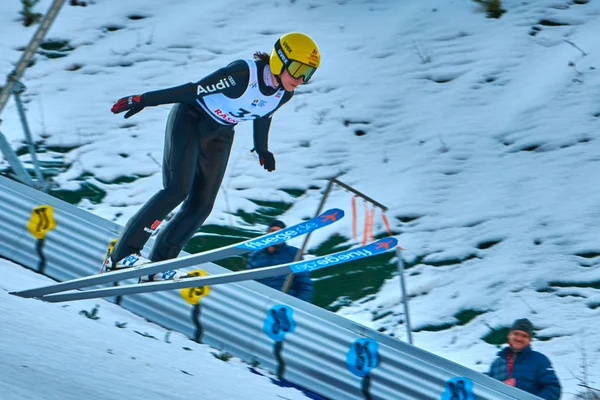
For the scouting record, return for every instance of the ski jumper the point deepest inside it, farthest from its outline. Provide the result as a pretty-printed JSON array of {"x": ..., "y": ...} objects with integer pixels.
[{"x": 198, "y": 139}]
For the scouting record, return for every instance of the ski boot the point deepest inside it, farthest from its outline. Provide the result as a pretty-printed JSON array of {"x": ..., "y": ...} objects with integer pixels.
[
  {"x": 131, "y": 260},
  {"x": 164, "y": 276}
]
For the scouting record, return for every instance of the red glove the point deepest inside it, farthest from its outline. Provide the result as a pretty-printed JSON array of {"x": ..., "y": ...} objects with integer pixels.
[{"x": 131, "y": 104}]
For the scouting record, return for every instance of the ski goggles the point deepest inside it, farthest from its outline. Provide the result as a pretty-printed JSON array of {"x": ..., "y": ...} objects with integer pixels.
[{"x": 300, "y": 70}]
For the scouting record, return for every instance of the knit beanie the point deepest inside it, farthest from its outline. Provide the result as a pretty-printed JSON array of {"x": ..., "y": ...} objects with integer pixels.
[
  {"x": 277, "y": 223},
  {"x": 524, "y": 325}
]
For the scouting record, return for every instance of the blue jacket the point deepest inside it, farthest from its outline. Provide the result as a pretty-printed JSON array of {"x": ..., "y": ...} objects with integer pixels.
[
  {"x": 532, "y": 371},
  {"x": 302, "y": 285}
]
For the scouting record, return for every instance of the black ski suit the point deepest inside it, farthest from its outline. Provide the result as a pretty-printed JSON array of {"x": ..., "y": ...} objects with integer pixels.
[{"x": 199, "y": 135}]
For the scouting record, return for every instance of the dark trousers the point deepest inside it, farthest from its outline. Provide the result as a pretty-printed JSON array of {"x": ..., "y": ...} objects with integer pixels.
[{"x": 194, "y": 163}]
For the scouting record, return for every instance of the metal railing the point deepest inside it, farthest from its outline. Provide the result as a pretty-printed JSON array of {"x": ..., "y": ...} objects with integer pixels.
[{"x": 324, "y": 352}]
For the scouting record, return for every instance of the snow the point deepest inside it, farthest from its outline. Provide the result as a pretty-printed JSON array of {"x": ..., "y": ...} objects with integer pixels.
[
  {"x": 484, "y": 131},
  {"x": 55, "y": 351}
]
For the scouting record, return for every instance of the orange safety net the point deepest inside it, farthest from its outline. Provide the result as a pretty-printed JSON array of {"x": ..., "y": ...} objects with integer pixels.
[
  {"x": 366, "y": 224},
  {"x": 369, "y": 222},
  {"x": 354, "y": 234}
]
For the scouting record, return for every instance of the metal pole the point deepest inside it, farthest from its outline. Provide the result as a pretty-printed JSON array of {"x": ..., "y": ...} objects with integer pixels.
[
  {"x": 290, "y": 278},
  {"x": 20, "y": 173},
  {"x": 17, "y": 90},
  {"x": 403, "y": 289},
  {"x": 27, "y": 55},
  {"x": 364, "y": 196}
]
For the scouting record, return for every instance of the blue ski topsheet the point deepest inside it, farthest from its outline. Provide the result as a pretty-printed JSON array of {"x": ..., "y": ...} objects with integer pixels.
[
  {"x": 372, "y": 249},
  {"x": 266, "y": 240},
  {"x": 369, "y": 250},
  {"x": 285, "y": 234}
]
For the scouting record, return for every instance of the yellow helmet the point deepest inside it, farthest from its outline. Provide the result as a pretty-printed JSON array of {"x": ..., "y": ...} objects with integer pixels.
[{"x": 296, "y": 52}]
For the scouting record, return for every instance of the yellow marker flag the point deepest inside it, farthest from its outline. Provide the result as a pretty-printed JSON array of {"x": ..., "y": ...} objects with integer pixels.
[
  {"x": 193, "y": 295},
  {"x": 42, "y": 221}
]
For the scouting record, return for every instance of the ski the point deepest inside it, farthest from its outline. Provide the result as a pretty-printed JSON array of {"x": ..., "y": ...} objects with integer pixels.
[
  {"x": 266, "y": 240},
  {"x": 369, "y": 250}
]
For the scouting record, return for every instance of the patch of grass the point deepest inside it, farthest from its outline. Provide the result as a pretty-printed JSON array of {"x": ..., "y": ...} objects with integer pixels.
[
  {"x": 546, "y": 290},
  {"x": 488, "y": 244},
  {"x": 435, "y": 328},
  {"x": 593, "y": 284},
  {"x": 55, "y": 48},
  {"x": 113, "y": 28},
  {"x": 54, "y": 45},
  {"x": 493, "y": 8},
  {"x": 87, "y": 191},
  {"x": 122, "y": 179},
  {"x": 466, "y": 316},
  {"x": 333, "y": 244},
  {"x": 84, "y": 176},
  {"x": 384, "y": 314},
  {"x": 146, "y": 335},
  {"x": 352, "y": 281},
  {"x": 255, "y": 363},
  {"x": 546, "y": 338},
  {"x": 295, "y": 193},
  {"x": 266, "y": 212},
  {"x": 449, "y": 261},
  {"x": 405, "y": 219},
  {"x": 29, "y": 17},
  {"x": 74, "y": 67},
  {"x": 61, "y": 149},
  {"x": 548, "y": 22},
  {"x": 588, "y": 254},
  {"x": 463, "y": 318},
  {"x": 93, "y": 314},
  {"x": 222, "y": 355},
  {"x": 571, "y": 295},
  {"x": 496, "y": 336},
  {"x": 348, "y": 122}
]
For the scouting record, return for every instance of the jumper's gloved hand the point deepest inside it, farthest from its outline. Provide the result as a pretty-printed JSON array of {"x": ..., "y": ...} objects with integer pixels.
[
  {"x": 131, "y": 104},
  {"x": 267, "y": 160}
]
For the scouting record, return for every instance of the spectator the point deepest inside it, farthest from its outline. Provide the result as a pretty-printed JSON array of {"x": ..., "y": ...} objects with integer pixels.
[
  {"x": 302, "y": 286},
  {"x": 519, "y": 366}
]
